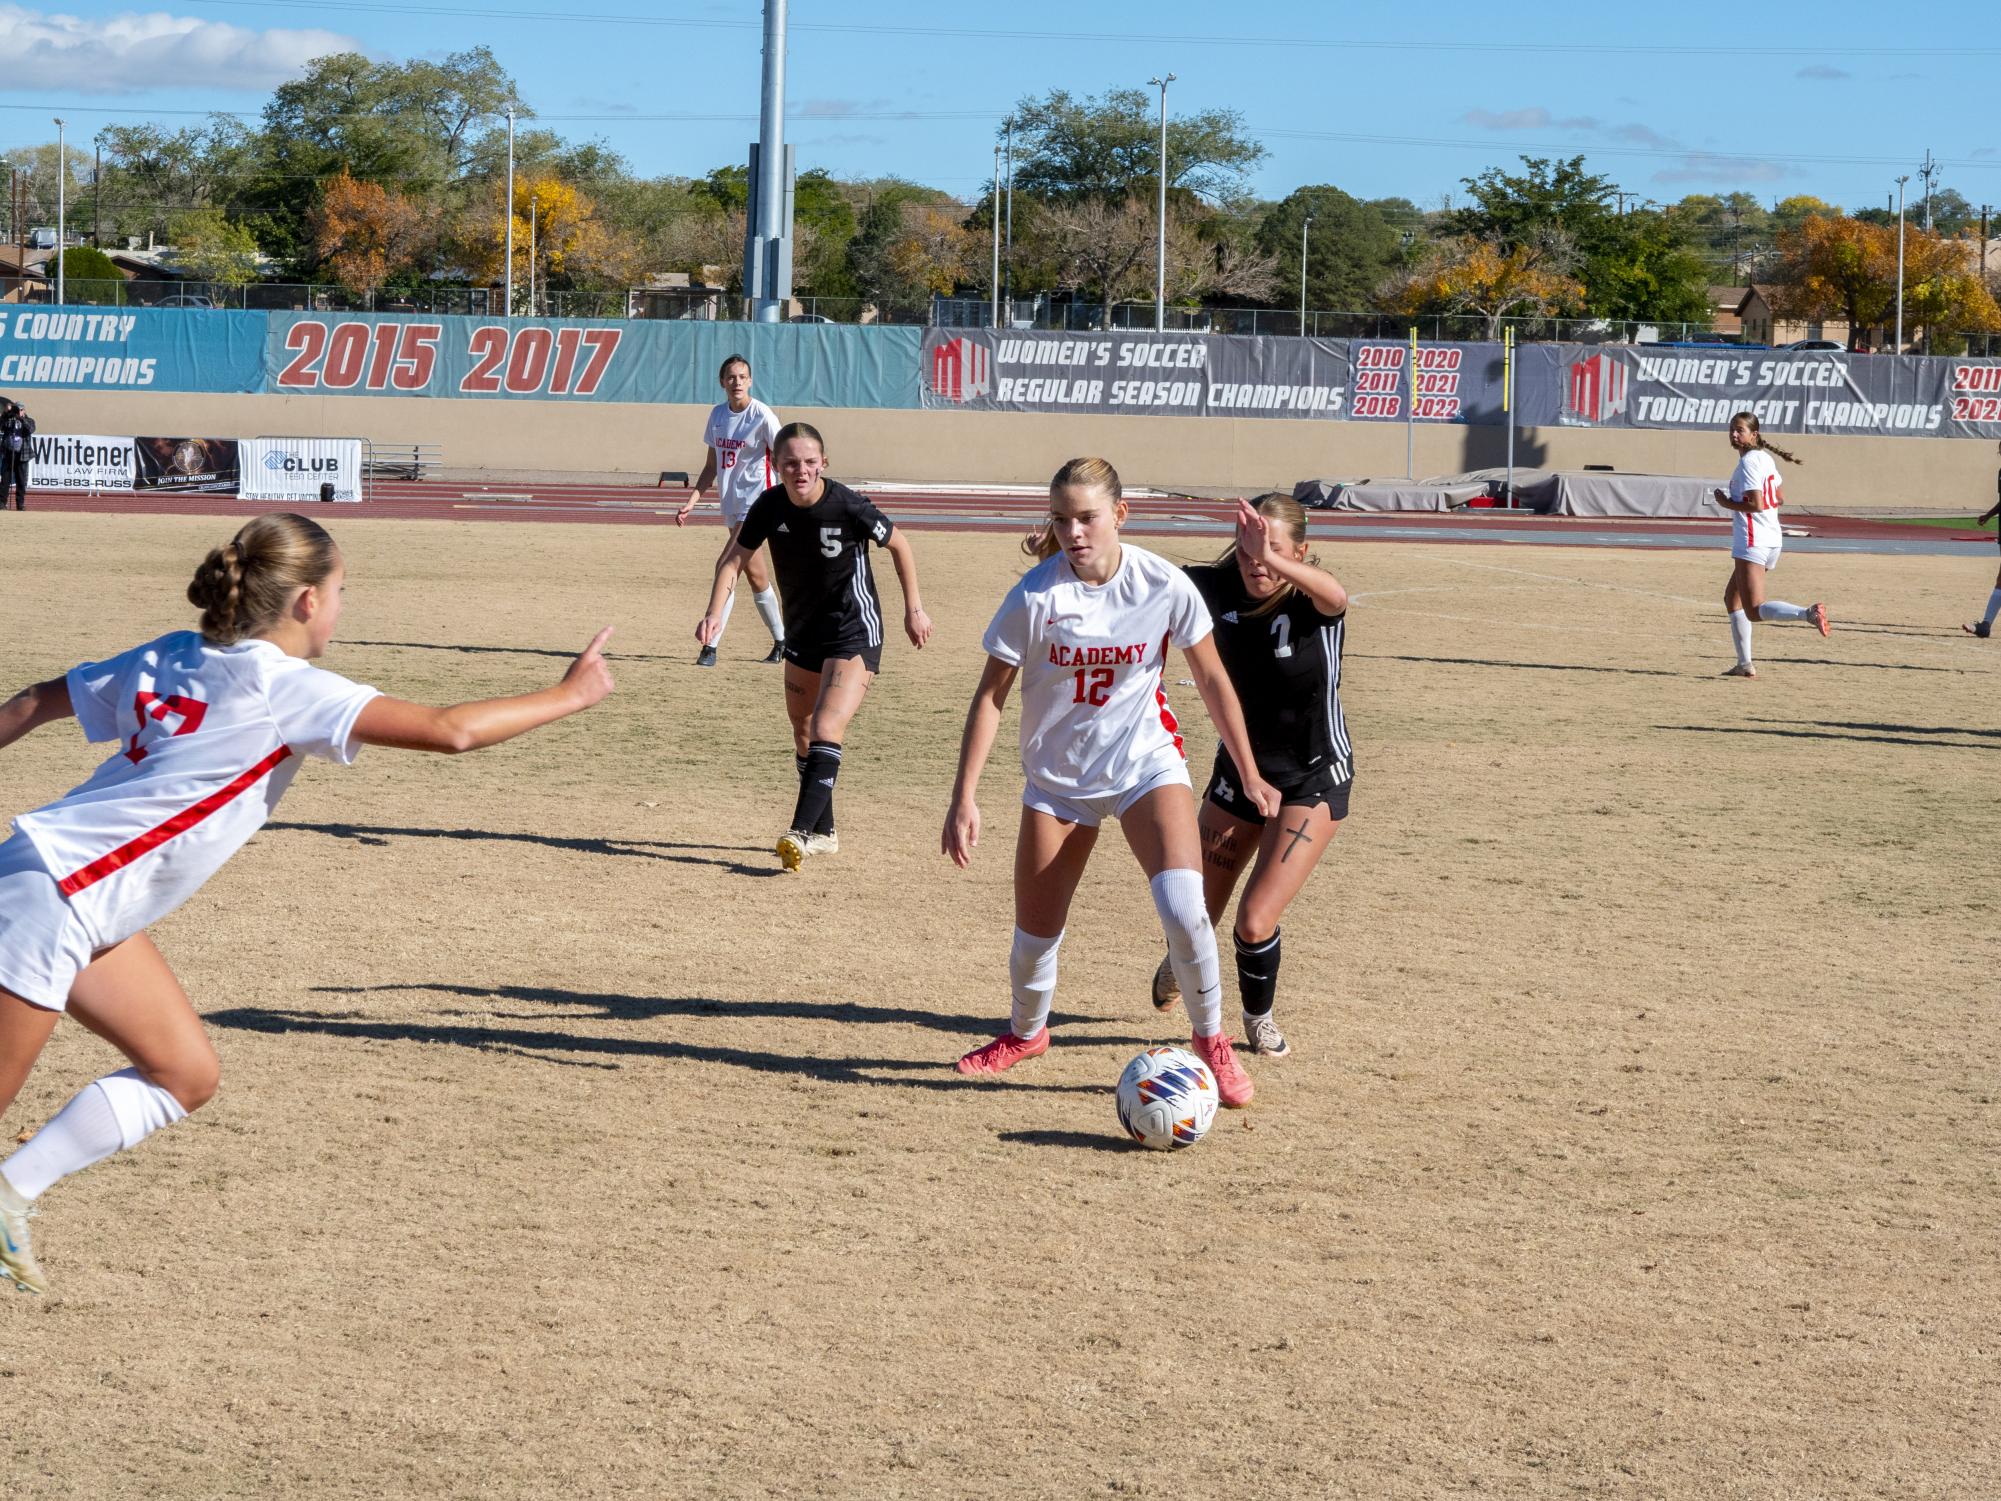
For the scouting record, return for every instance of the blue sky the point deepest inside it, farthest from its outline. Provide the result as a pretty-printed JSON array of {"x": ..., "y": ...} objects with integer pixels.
[{"x": 1378, "y": 100}]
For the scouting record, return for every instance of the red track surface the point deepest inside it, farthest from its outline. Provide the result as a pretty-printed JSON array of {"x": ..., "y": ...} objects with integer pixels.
[{"x": 634, "y": 505}]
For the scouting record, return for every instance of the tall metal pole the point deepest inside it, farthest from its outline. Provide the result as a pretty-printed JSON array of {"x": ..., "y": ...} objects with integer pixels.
[
  {"x": 62, "y": 204},
  {"x": 533, "y": 204},
  {"x": 1160, "y": 263},
  {"x": 508, "y": 293},
  {"x": 1900, "y": 261},
  {"x": 770, "y": 205},
  {"x": 1007, "y": 263},
  {"x": 994, "y": 204},
  {"x": 1302, "y": 274},
  {"x": 97, "y": 197},
  {"x": 1508, "y": 407}
]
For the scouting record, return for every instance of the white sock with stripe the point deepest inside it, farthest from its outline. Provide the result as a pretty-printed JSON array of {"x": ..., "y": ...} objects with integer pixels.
[
  {"x": 766, "y": 601},
  {"x": 1191, "y": 947},
  {"x": 1778, "y": 609},
  {"x": 1740, "y": 636},
  {"x": 1031, "y": 970},
  {"x": 1993, "y": 607},
  {"x": 119, "y": 1110}
]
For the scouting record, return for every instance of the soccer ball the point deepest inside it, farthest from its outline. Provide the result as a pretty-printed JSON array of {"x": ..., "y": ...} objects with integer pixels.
[{"x": 1167, "y": 1098}]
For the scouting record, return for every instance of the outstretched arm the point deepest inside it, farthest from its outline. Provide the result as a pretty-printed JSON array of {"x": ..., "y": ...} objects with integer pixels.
[
  {"x": 401, "y": 725},
  {"x": 1220, "y": 698},
  {"x": 702, "y": 482},
  {"x": 916, "y": 624},
  {"x": 962, "y": 819},
  {"x": 728, "y": 566},
  {"x": 33, "y": 707}
]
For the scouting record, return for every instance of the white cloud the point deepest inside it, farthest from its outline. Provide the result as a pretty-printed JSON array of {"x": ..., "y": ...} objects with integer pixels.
[
  {"x": 1706, "y": 167},
  {"x": 1822, "y": 73},
  {"x": 1532, "y": 118},
  {"x": 133, "y": 52}
]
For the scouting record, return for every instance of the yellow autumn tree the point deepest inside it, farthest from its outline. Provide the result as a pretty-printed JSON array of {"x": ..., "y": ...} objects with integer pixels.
[
  {"x": 1493, "y": 281},
  {"x": 363, "y": 232},
  {"x": 1835, "y": 267},
  {"x": 556, "y": 223}
]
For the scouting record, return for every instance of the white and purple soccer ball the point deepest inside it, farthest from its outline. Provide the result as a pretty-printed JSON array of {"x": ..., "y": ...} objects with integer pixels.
[{"x": 1167, "y": 1099}]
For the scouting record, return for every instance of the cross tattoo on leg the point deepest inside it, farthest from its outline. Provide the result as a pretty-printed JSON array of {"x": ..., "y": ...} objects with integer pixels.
[{"x": 1297, "y": 835}]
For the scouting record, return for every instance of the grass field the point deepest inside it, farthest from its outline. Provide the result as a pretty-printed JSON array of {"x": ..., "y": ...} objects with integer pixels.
[{"x": 1639, "y": 1138}]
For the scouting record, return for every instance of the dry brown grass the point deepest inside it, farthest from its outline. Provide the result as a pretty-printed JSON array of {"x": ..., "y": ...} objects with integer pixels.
[{"x": 1639, "y": 1137}]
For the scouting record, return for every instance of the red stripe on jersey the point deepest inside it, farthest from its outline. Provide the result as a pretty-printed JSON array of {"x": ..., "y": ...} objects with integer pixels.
[
  {"x": 180, "y": 823},
  {"x": 1167, "y": 720}
]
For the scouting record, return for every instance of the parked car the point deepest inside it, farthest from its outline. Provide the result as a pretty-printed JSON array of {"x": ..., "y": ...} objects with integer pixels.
[
  {"x": 808, "y": 318},
  {"x": 185, "y": 299},
  {"x": 1833, "y": 345}
]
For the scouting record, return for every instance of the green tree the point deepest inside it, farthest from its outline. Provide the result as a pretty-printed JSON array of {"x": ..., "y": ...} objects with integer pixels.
[
  {"x": 1641, "y": 266},
  {"x": 89, "y": 276},
  {"x": 209, "y": 247},
  {"x": 1351, "y": 246},
  {"x": 1107, "y": 149}
]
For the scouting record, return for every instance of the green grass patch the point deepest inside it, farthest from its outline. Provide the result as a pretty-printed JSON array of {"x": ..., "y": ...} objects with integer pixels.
[{"x": 1955, "y": 523}]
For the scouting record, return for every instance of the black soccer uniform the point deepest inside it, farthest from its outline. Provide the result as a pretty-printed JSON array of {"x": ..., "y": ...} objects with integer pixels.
[
  {"x": 1286, "y": 668},
  {"x": 17, "y": 444},
  {"x": 825, "y": 584}
]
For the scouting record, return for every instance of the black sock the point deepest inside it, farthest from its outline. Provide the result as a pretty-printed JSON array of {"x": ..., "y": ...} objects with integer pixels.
[
  {"x": 816, "y": 788},
  {"x": 825, "y": 825},
  {"x": 1257, "y": 973}
]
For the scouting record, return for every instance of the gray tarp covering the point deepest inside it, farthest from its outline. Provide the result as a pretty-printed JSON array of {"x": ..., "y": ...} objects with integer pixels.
[
  {"x": 1562, "y": 492},
  {"x": 1593, "y": 494},
  {"x": 1389, "y": 494}
]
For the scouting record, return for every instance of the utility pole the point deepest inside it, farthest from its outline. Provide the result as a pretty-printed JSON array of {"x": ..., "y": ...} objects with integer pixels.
[
  {"x": 1900, "y": 261},
  {"x": 1928, "y": 169},
  {"x": 1985, "y": 210},
  {"x": 1302, "y": 274},
  {"x": 1160, "y": 264},
  {"x": 1007, "y": 265},
  {"x": 993, "y": 204},
  {"x": 508, "y": 284},
  {"x": 62, "y": 204},
  {"x": 533, "y": 204},
  {"x": 97, "y": 196}
]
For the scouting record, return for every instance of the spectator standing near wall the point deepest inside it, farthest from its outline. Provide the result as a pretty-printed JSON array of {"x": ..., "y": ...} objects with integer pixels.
[{"x": 17, "y": 435}]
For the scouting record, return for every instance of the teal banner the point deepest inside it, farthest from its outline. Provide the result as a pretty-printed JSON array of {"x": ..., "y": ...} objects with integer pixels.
[
  {"x": 131, "y": 349},
  {"x": 632, "y": 360}
]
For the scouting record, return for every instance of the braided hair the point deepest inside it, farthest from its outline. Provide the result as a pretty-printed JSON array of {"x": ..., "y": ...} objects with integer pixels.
[
  {"x": 1750, "y": 420},
  {"x": 245, "y": 587}
]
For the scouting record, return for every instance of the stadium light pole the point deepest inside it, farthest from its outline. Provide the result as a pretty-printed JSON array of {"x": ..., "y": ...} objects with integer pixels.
[
  {"x": 774, "y": 230},
  {"x": 1007, "y": 264},
  {"x": 1900, "y": 261},
  {"x": 1302, "y": 274},
  {"x": 993, "y": 204},
  {"x": 1160, "y": 263},
  {"x": 62, "y": 204},
  {"x": 508, "y": 285}
]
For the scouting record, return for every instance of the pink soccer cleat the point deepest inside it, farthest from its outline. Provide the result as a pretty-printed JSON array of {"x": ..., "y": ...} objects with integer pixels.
[
  {"x": 1818, "y": 614},
  {"x": 1233, "y": 1085},
  {"x": 1003, "y": 1053}
]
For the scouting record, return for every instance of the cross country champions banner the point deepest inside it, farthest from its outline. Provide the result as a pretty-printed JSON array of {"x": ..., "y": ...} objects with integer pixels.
[
  {"x": 185, "y": 464},
  {"x": 79, "y": 463}
]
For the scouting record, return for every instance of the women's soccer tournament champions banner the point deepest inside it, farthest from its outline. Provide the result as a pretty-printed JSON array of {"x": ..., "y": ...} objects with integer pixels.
[{"x": 833, "y": 365}]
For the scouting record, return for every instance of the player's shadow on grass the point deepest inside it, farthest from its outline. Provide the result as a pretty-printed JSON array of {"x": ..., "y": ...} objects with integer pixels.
[
  {"x": 1642, "y": 672},
  {"x": 1886, "y": 734},
  {"x": 628, "y": 1008},
  {"x": 613, "y": 655},
  {"x": 605, "y": 1052},
  {"x": 1083, "y": 1141},
  {"x": 639, "y": 849}
]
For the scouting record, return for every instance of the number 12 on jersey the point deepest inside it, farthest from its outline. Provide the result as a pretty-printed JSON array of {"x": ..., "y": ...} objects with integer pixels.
[{"x": 1094, "y": 686}]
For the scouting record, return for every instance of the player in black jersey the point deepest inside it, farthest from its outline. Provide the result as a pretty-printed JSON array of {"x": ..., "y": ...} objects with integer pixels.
[
  {"x": 819, "y": 531},
  {"x": 1280, "y": 619},
  {"x": 1984, "y": 626}
]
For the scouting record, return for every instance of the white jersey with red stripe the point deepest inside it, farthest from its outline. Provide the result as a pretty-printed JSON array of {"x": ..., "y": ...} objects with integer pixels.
[
  {"x": 1093, "y": 712},
  {"x": 742, "y": 441},
  {"x": 1756, "y": 478},
  {"x": 211, "y": 737}
]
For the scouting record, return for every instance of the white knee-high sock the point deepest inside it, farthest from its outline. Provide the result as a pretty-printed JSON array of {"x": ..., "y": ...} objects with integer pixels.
[
  {"x": 766, "y": 601},
  {"x": 1031, "y": 970},
  {"x": 729, "y": 604},
  {"x": 1191, "y": 947},
  {"x": 1740, "y": 636},
  {"x": 119, "y": 1110},
  {"x": 1778, "y": 609},
  {"x": 1993, "y": 607}
]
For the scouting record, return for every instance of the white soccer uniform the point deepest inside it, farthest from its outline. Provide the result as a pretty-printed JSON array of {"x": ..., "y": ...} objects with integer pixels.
[
  {"x": 1755, "y": 535},
  {"x": 742, "y": 441},
  {"x": 1096, "y": 729},
  {"x": 212, "y": 736}
]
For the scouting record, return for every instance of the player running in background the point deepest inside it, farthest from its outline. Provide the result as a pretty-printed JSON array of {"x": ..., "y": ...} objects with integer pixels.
[
  {"x": 819, "y": 531},
  {"x": 739, "y": 438},
  {"x": 1280, "y": 620},
  {"x": 1755, "y": 543},
  {"x": 1086, "y": 630},
  {"x": 210, "y": 727},
  {"x": 1984, "y": 626}
]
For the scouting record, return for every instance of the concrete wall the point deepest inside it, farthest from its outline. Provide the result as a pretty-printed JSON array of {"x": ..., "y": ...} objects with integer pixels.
[{"x": 1217, "y": 454}]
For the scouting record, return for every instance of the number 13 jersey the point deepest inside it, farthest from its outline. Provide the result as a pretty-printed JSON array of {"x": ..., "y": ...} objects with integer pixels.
[{"x": 1094, "y": 715}]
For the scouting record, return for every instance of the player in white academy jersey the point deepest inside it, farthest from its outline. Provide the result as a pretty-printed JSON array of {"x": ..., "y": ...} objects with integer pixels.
[
  {"x": 210, "y": 727},
  {"x": 739, "y": 437},
  {"x": 1756, "y": 541},
  {"x": 1984, "y": 626},
  {"x": 1086, "y": 630}
]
